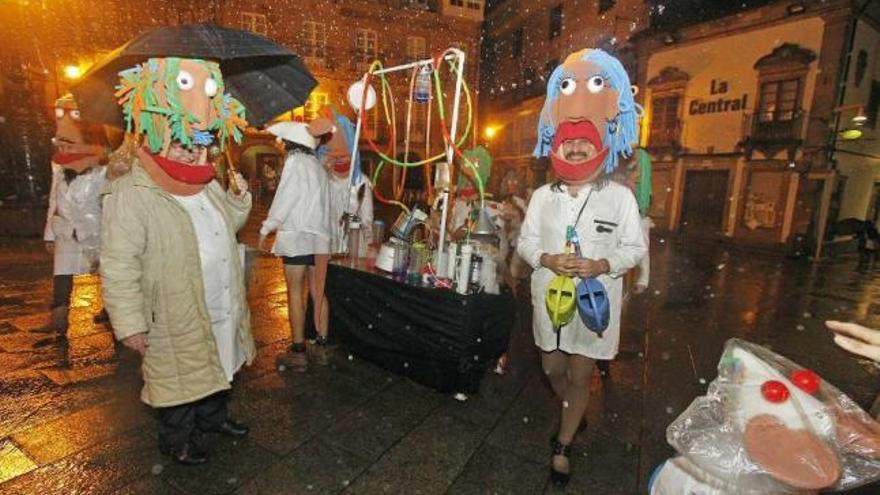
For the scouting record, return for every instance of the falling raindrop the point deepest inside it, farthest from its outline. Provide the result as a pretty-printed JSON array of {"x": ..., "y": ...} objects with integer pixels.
[
  {"x": 525, "y": 419},
  {"x": 157, "y": 469},
  {"x": 800, "y": 328},
  {"x": 669, "y": 410},
  {"x": 702, "y": 381}
]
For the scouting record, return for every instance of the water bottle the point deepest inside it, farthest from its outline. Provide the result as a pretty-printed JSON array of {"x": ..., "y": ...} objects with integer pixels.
[{"x": 422, "y": 91}]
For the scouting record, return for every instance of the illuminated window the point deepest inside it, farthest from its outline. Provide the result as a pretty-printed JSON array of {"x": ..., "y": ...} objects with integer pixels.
[
  {"x": 309, "y": 111},
  {"x": 415, "y": 48},
  {"x": 665, "y": 125},
  {"x": 779, "y": 100},
  {"x": 255, "y": 23},
  {"x": 314, "y": 40},
  {"x": 471, "y": 4},
  {"x": 366, "y": 45}
]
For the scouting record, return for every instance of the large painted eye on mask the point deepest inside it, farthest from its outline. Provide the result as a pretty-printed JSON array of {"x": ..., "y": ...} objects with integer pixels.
[
  {"x": 185, "y": 80},
  {"x": 595, "y": 84},
  {"x": 59, "y": 113},
  {"x": 567, "y": 86},
  {"x": 211, "y": 87},
  {"x": 74, "y": 114}
]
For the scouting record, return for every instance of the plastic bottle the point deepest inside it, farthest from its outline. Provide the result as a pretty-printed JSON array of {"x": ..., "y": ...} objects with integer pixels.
[
  {"x": 464, "y": 269},
  {"x": 422, "y": 92}
]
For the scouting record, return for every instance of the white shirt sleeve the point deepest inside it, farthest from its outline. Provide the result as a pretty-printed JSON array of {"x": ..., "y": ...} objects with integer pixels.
[
  {"x": 285, "y": 197},
  {"x": 48, "y": 233},
  {"x": 529, "y": 243},
  {"x": 645, "y": 264},
  {"x": 631, "y": 246}
]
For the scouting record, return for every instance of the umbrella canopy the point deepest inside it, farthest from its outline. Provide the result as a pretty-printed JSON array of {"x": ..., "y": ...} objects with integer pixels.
[{"x": 266, "y": 77}]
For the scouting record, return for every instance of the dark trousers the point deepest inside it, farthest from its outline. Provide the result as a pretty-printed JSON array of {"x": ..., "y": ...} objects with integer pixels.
[
  {"x": 178, "y": 424},
  {"x": 62, "y": 289}
]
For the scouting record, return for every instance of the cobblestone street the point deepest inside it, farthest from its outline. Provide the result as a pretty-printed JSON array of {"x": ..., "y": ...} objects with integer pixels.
[{"x": 71, "y": 420}]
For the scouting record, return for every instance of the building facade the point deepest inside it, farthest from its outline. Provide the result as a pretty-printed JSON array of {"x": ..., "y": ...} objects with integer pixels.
[
  {"x": 523, "y": 42},
  {"x": 744, "y": 117},
  {"x": 337, "y": 40}
]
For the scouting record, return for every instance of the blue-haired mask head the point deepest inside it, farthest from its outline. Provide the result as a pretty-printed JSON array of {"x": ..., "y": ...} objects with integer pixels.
[
  {"x": 590, "y": 118},
  {"x": 338, "y": 149}
]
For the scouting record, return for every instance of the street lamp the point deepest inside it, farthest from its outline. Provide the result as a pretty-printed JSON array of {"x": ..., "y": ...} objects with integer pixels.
[
  {"x": 72, "y": 72},
  {"x": 490, "y": 131}
]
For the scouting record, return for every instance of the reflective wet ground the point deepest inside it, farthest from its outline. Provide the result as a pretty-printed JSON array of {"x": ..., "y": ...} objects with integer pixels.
[{"x": 71, "y": 421}]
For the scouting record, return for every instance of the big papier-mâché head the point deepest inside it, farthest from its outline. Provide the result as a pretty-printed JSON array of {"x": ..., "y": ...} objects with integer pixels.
[
  {"x": 79, "y": 145},
  {"x": 767, "y": 425},
  {"x": 589, "y": 97},
  {"x": 336, "y": 151},
  {"x": 180, "y": 103}
]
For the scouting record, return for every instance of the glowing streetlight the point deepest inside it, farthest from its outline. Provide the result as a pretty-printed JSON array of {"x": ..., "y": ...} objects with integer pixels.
[
  {"x": 851, "y": 134},
  {"x": 72, "y": 72},
  {"x": 490, "y": 131}
]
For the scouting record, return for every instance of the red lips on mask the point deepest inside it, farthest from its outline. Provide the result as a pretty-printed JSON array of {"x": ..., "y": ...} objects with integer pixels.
[
  {"x": 182, "y": 172},
  {"x": 576, "y": 172},
  {"x": 341, "y": 167}
]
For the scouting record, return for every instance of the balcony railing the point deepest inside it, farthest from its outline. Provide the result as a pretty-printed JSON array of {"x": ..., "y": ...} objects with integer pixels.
[
  {"x": 665, "y": 137},
  {"x": 775, "y": 127}
]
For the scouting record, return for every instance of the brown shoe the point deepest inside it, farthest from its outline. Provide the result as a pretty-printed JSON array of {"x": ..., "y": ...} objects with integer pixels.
[
  {"x": 320, "y": 351},
  {"x": 294, "y": 360}
]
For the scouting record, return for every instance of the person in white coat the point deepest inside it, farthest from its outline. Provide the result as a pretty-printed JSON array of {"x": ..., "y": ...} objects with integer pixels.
[
  {"x": 300, "y": 213},
  {"x": 589, "y": 119},
  {"x": 73, "y": 219},
  {"x": 351, "y": 193}
]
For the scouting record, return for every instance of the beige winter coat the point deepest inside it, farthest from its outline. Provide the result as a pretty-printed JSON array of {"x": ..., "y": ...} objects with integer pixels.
[{"x": 152, "y": 282}]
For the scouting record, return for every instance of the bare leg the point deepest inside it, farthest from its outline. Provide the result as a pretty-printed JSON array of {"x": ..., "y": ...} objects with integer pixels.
[
  {"x": 580, "y": 373},
  {"x": 570, "y": 377},
  {"x": 294, "y": 275},
  {"x": 555, "y": 364},
  {"x": 323, "y": 326}
]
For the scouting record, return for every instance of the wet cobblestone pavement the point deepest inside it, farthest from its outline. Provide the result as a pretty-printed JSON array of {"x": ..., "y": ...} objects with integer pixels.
[{"x": 71, "y": 420}]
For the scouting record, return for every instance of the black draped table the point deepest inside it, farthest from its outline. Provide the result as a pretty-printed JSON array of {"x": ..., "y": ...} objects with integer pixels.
[{"x": 436, "y": 337}]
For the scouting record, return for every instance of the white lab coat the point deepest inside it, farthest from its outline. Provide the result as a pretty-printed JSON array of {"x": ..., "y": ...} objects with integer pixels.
[
  {"x": 609, "y": 228},
  {"x": 343, "y": 200},
  {"x": 643, "y": 277},
  {"x": 221, "y": 294},
  {"x": 73, "y": 220},
  {"x": 300, "y": 211}
]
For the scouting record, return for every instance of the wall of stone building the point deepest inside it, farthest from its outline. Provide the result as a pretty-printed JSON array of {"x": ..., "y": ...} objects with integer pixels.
[
  {"x": 722, "y": 69},
  {"x": 859, "y": 161}
]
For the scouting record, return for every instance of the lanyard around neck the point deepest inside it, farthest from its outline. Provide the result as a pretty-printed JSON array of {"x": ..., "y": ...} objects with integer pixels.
[{"x": 583, "y": 207}]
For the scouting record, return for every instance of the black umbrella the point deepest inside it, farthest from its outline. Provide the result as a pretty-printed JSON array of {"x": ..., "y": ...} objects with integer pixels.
[{"x": 266, "y": 77}]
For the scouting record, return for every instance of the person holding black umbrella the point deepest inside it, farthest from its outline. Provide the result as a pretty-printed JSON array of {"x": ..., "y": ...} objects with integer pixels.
[{"x": 170, "y": 264}]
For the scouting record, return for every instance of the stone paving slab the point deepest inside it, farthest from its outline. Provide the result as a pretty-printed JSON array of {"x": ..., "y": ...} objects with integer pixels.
[{"x": 71, "y": 421}]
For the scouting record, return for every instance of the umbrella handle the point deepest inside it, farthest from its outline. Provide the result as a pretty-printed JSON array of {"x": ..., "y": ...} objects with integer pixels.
[{"x": 230, "y": 173}]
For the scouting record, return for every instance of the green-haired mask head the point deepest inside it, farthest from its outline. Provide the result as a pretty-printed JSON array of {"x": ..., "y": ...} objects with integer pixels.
[{"x": 179, "y": 99}]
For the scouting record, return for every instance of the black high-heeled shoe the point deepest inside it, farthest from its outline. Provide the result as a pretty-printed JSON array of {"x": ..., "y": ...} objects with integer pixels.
[{"x": 558, "y": 478}]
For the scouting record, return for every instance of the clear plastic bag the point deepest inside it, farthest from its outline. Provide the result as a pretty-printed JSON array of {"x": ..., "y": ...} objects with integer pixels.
[{"x": 767, "y": 425}]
